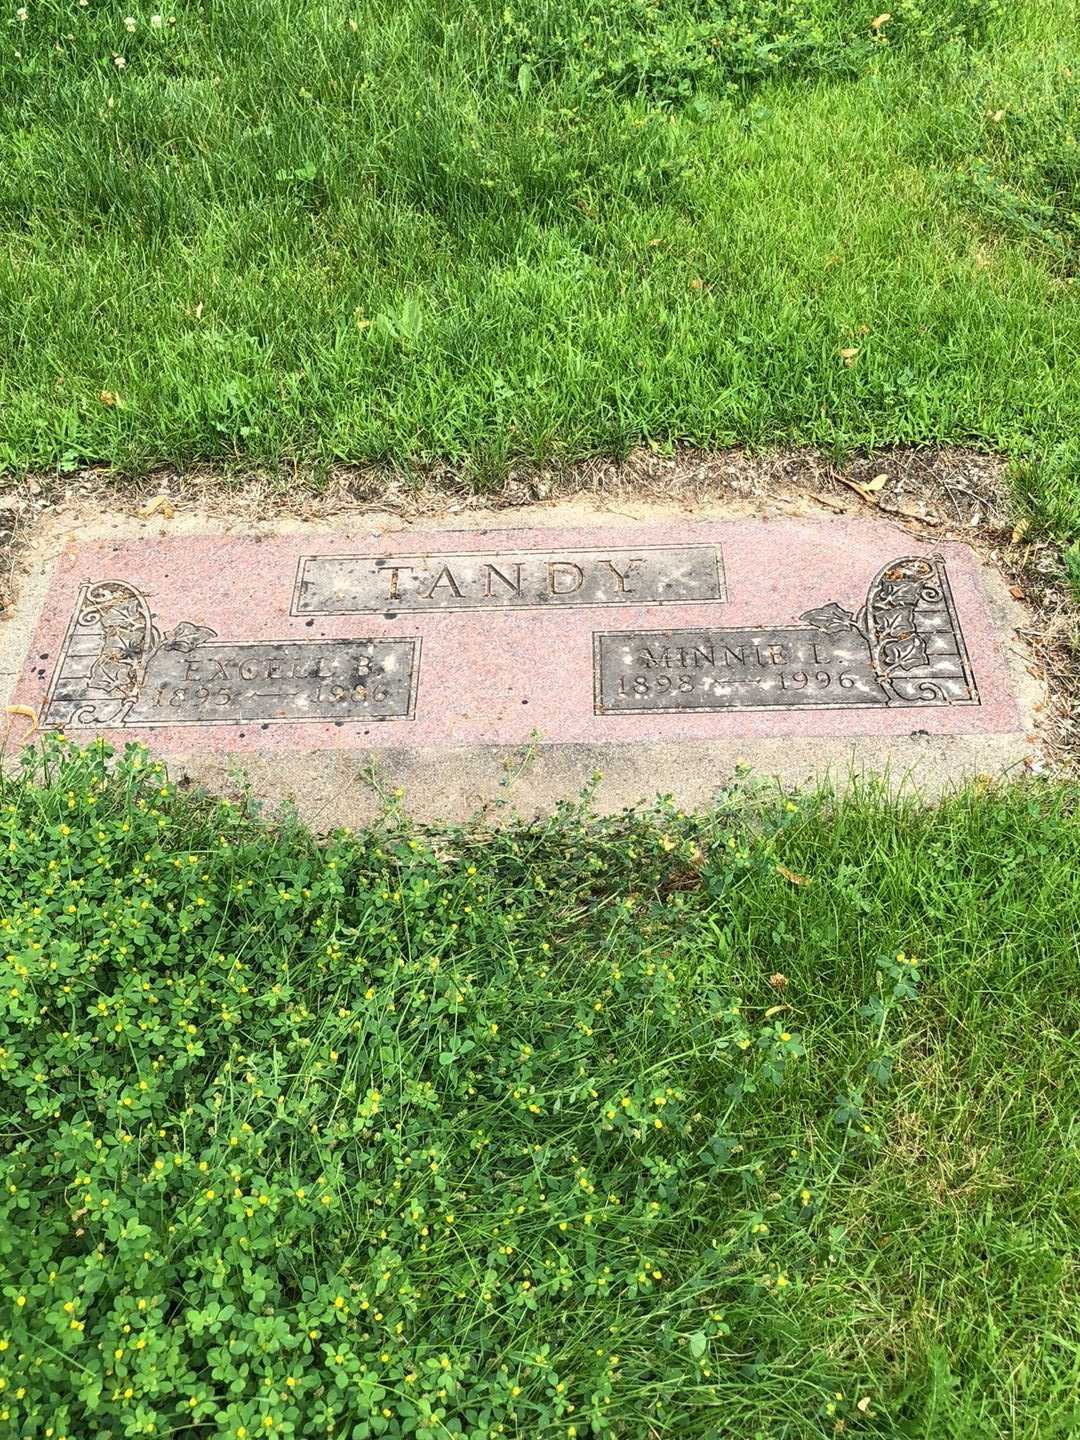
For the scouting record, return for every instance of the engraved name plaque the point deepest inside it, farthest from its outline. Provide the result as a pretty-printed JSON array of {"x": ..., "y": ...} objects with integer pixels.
[
  {"x": 117, "y": 668},
  {"x": 904, "y": 647},
  {"x": 507, "y": 579}
]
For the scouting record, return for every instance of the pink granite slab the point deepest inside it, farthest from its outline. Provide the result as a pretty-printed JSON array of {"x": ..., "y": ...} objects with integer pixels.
[{"x": 502, "y": 675}]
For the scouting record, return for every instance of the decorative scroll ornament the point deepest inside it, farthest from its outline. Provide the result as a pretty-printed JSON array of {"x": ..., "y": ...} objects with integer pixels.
[
  {"x": 115, "y": 632},
  {"x": 907, "y": 604}
]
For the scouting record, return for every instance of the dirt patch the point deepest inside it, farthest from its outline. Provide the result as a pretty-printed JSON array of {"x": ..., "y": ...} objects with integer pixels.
[{"x": 920, "y": 482}]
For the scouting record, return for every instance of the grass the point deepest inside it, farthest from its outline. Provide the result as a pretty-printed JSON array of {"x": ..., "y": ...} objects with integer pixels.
[
  {"x": 365, "y": 231},
  {"x": 639, "y": 1127},
  {"x": 759, "y": 1123}
]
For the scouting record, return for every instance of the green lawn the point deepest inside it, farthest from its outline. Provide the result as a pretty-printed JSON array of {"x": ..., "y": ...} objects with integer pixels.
[
  {"x": 758, "y": 1124},
  {"x": 412, "y": 228}
]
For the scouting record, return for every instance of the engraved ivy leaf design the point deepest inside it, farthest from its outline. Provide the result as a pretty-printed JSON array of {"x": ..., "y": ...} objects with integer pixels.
[
  {"x": 187, "y": 636},
  {"x": 832, "y": 618}
]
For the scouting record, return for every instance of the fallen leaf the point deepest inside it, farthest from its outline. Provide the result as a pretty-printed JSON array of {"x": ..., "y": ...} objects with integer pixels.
[
  {"x": 775, "y": 1010},
  {"x": 108, "y": 398},
  {"x": 860, "y": 490},
  {"x": 160, "y": 505},
  {"x": 1020, "y": 529},
  {"x": 27, "y": 712},
  {"x": 1017, "y": 593},
  {"x": 880, "y": 21},
  {"x": 792, "y": 875}
]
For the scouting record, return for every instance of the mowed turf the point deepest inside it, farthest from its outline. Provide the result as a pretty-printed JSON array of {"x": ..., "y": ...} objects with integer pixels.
[
  {"x": 754, "y": 1124},
  {"x": 362, "y": 231}
]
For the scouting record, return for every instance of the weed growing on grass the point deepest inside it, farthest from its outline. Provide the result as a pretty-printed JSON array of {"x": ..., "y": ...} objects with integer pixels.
[{"x": 584, "y": 1128}]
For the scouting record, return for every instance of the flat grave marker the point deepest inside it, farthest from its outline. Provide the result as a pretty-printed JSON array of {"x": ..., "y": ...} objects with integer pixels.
[{"x": 724, "y": 635}]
